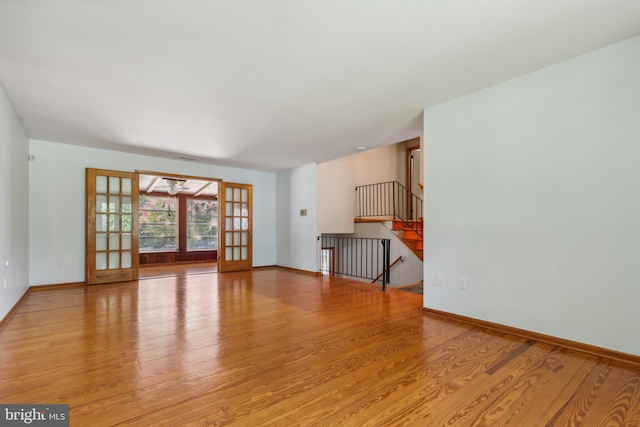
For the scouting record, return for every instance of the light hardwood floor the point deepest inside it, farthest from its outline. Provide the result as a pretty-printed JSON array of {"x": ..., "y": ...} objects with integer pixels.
[{"x": 276, "y": 347}]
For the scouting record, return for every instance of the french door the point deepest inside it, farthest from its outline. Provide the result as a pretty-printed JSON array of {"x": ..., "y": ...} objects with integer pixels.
[
  {"x": 111, "y": 226},
  {"x": 236, "y": 237}
]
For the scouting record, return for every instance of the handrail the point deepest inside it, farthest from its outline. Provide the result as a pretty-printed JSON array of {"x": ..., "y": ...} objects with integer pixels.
[
  {"x": 390, "y": 267},
  {"x": 391, "y": 199}
]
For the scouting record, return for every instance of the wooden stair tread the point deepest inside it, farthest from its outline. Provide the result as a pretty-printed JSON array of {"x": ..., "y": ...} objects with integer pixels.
[
  {"x": 409, "y": 225},
  {"x": 411, "y": 235}
]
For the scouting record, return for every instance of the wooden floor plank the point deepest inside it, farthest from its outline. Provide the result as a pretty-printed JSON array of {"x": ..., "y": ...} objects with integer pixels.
[
  {"x": 521, "y": 404},
  {"x": 615, "y": 400},
  {"x": 276, "y": 347}
]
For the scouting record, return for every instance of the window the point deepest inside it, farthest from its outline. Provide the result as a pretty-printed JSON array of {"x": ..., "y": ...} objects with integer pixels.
[
  {"x": 158, "y": 223},
  {"x": 202, "y": 224}
]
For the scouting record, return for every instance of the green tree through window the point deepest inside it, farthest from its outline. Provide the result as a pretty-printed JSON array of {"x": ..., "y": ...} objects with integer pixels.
[
  {"x": 158, "y": 223},
  {"x": 202, "y": 224}
]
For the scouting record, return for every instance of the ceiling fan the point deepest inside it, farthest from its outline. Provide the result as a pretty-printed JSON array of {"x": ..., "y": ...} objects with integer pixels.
[{"x": 174, "y": 186}]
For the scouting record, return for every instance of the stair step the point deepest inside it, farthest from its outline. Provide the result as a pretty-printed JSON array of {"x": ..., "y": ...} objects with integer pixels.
[
  {"x": 411, "y": 235},
  {"x": 401, "y": 225}
]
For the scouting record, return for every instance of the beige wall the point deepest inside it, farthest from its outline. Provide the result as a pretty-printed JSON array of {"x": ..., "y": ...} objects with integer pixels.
[{"x": 337, "y": 179}]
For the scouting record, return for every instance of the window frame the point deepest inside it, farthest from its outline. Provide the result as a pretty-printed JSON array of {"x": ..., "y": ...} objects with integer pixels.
[
  {"x": 188, "y": 198},
  {"x": 181, "y": 254},
  {"x": 176, "y": 222}
]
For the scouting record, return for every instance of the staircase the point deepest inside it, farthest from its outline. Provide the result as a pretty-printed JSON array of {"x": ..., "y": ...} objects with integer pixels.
[
  {"x": 410, "y": 232},
  {"x": 401, "y": 209}
]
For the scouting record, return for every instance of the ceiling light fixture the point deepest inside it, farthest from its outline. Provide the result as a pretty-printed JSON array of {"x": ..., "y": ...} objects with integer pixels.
[{"x": 174, "y": 186}]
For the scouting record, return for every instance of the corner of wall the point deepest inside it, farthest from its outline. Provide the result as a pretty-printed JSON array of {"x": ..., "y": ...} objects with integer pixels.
[{"x": 14, "y": 207}]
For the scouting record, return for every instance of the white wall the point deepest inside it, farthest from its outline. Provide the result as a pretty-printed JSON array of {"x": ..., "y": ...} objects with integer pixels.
[
  {"x": 296, "y": 234},
  {"x": 337, "y": 180},
  {"x": 57, "y": 204},
  {"x": 14, "y": 205},
  {"x": 532, "y": 192}
]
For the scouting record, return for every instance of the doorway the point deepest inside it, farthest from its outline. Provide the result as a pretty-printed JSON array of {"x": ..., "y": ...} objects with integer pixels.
[
  {"x": 178, "y": 216},
  {"x": 413, "y": 162},
  {"x": 327, "y": 262}
]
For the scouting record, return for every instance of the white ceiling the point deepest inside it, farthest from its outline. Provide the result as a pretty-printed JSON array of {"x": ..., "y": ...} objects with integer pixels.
[{"x": 272, "y": 85}]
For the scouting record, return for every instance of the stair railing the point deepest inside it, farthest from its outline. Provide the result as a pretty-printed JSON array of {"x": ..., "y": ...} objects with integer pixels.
[
  {"x": 391, "y": 199},
  {"x": 362, "y": 257}
]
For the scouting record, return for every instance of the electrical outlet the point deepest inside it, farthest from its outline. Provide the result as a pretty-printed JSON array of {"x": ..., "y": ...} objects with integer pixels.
[
  {"x": 463, "y": 283},
  {"x": 439, "y": 279}
]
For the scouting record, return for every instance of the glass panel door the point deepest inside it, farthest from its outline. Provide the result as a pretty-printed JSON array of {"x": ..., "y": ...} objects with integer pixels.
[
  {"x": 112, "y": 226},
  {"x": 237, "y": 227}
]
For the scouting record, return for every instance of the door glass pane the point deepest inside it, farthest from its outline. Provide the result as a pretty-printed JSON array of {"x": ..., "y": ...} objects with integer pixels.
[
  {"x": 127, "y": 205},
  {"x": 101, "y": 242},
  {"x": 245, "y": 195},
  {"x": 236, "y": 223},
  {"x": 236, "y": 239},
  {"x": 228, "y": 254},
  {"x": 228, "y": 222},
  {"x": 114, "y": 241},
  {"x": 127, "y": 222},
  {"x": 101, "y": 203},
  {"x": 236, "y": 209},
  {"x": 227, "y": 209},
  {"x": 244, "y": 253},
  {"x": 229, "y": 193},
  {"x": 101, "y": 184},
  {"x": 114, "y": 222},
  {"x": 114, "y": 204},
  {"x": 126, "y": 259},
  {"x": 236, "y": 194},
  {"x": 114, "y": 260},
  {"x": 126, "y": 186},
  {"x": 101, "y": 222},
  {"x": 229, "y": 238},
  {"x": 236, "y": 254},
  {"x": 101, "y": 261},
  {"x": 245, "y": 223},
  {"x": 245, "y": 239},
  {"x": 114, "y": 185},
  {"x": 245, "y": 209},
  {"x": 126, "y": 241}
]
